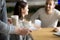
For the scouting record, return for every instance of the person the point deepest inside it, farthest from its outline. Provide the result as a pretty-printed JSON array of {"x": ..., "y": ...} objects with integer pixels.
[
  {"x": 21, "y": 9},
  {"x": 3, "y": 18},
  {"x": 49, "y": 16},
  {"x": 3, "y": 11},
  {"x": 10, "y": 29},
  {"x": 6, "y": 29}
]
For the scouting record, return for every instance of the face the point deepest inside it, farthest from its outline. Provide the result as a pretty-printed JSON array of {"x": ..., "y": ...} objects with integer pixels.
[
  {"x": 49, "y": 5},
  {"x": 25, "y": 10}
]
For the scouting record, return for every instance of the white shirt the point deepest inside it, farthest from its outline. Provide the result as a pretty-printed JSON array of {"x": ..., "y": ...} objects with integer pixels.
[
  {"x": 47, "y": 20},
  {"x": 26, "y": 24}
]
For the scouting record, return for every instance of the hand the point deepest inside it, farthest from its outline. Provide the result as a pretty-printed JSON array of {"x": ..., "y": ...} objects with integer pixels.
[
  {"x": 21, "y": 31},
  {"x": 56, "y": 29},
  {"x": 9, "y": 20}
]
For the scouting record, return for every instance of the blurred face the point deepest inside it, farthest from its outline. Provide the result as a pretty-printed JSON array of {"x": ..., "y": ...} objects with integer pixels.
[
  {"x": 49, "y": 5},
  {"x": 25, "y": 10}
]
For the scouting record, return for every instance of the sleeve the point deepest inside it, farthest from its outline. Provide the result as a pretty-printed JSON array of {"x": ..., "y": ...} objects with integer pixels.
[
  {"x": 4, "y": 11},
  {"x": 38, "y": 22},
  {"x": 35, "y": 15},
  {"x": 59, "y": 17},
  {"x": 31, "y": 26},
  {"x": 5, "y": 28},
  {"x": 58, "y": 14}
]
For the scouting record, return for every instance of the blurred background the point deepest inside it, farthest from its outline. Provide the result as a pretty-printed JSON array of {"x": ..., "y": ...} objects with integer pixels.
[{"x": 34, "y": 5}]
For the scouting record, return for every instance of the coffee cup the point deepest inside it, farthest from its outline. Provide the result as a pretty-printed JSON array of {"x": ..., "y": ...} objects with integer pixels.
[{"x": 14, "y": 20}]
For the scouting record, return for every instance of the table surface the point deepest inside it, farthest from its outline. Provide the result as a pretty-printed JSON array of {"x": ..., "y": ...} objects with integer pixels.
[{"x": 44, "y": 34}]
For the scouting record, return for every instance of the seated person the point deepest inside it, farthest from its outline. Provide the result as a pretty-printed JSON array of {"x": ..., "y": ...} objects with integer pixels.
[
  {"x": 21, "y": 10},
  {"x": 49, "y": 16}
]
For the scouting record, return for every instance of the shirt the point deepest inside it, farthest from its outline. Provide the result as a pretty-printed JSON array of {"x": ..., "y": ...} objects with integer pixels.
[{"x": 47, "y": 20}]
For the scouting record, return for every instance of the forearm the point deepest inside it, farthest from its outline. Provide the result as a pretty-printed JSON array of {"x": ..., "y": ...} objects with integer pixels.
[
  {"x": 34, "y": 16},
  {"x": 10, "y": 29},
  {"x": 4, "y": 28}
]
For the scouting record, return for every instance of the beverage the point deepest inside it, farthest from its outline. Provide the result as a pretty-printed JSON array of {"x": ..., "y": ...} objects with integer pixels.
[{"x": 15, "y": 20}]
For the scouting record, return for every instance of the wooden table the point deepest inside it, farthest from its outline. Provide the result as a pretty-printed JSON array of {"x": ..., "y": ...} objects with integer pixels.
[{"x": 44, "y": 34}]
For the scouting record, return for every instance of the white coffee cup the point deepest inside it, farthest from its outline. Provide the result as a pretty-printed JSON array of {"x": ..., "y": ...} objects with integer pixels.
[{"x": 15, "y": 20}]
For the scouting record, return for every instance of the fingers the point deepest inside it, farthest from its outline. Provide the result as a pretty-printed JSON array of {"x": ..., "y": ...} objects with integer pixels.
[
  {"x": 9, "y": 20},
  {"x": 22, "y": 31}
]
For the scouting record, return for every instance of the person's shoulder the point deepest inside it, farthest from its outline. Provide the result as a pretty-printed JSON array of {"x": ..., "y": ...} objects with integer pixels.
[
  {"x": 41, "y": 9},
  {"x": 57, "y": 11}
]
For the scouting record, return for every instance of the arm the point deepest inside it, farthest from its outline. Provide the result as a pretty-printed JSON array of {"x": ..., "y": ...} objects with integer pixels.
[
  {"x": 58, "y": 14},
  {"x": 4, "y": 28},
  {"x": 35, "y": 16},
  {"x": 4, "y": 11},
  {"x": 9, "y": 29},
  {"x": 59, "y": 17}
]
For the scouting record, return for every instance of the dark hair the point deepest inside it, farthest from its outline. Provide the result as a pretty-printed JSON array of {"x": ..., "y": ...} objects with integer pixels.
[{"x": 18, "y": 6}]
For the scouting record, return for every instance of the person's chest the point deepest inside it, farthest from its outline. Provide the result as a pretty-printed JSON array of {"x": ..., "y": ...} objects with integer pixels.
[{"x": 48, "y": 17}]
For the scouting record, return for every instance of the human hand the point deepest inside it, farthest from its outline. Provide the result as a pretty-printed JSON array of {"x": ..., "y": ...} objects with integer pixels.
[
  {"x": 22, "y": 31},
  {"x": 9, "y": 20},
  {"x": 56, "y": 29}
]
